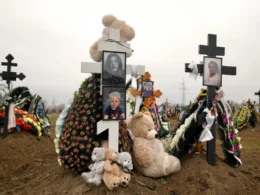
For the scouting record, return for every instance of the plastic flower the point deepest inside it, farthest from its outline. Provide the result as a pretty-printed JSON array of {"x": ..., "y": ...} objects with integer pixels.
[
  {"x": 20, "y": 121},
  {"x": 27, "y": 127}
]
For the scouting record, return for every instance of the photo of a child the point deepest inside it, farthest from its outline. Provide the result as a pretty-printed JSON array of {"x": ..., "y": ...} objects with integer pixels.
[
  {"x": 147, "y": 88},
  {"x": 114, "y": 104},
  {"x": 113, "y": 68}
]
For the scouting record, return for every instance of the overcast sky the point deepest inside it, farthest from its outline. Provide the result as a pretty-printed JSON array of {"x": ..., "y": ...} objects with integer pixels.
[{"x": 50, "y": 38}]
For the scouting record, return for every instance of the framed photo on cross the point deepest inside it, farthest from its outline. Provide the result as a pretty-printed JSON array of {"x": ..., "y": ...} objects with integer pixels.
[
  {"x": 114, "y": 103},
  {"x": 147, "y": 88},
  {"x": 212, "y": 71},
  {"x": 113, "y": 68}
]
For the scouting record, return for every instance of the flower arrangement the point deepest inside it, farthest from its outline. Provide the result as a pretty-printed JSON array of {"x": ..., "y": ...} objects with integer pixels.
[
  {"x": 29, "y": 123},
  {"x": 241, "y": 116},
  {"x": 130, "y": 100}
]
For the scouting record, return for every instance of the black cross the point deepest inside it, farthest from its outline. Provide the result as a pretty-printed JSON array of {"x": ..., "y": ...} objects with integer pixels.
[
  {"x": 9, "y": 76},
  {"x": 212, "y": 50},
  {"x": 258, "y": 93}
]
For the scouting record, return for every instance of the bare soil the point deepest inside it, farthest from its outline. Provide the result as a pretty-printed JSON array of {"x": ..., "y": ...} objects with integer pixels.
[{"x": 28, "y": 165}]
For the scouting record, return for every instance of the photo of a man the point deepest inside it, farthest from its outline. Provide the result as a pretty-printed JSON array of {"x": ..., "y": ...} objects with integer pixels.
[{"x": 212, "y": 72}]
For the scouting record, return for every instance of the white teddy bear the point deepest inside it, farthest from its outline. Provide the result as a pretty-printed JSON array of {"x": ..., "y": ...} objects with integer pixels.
[
  {"x": 97, "y": 168},
  {"x": 125, "y": 160},
  {"x": 126, "y": 164}
]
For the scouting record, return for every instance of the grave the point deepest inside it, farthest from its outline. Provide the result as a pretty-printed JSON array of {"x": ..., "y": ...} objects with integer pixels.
[
  {"x": 9, "y": 76},
  {"x": 212, "y": 50}
]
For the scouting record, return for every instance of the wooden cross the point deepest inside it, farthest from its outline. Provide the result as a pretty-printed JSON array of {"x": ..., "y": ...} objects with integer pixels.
[
  {"x": 258, "y": 93},
  {"x": 9, "y": 76},
  {"x": 212, "y": 50},
  {"x": 90, "y": 67},
  {"x": 147, "y": 77}
]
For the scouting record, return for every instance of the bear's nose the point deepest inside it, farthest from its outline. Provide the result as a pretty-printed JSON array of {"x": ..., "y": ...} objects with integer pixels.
[
  {"x": 156, "y": 136},
  {"x": 124, "y": 183}
]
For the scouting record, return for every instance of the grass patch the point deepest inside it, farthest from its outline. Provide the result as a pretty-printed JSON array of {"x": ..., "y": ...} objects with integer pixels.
[{"x": 53, "y": 118}]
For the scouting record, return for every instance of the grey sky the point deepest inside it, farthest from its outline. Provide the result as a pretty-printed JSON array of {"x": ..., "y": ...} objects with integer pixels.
[{"x": 50, "y": 38}]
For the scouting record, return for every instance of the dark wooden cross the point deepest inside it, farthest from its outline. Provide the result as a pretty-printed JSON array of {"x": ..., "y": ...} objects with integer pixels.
[
  {"x": 212, "y": 50},
  {"x": 258, "y": 93},
  {"x": 9, "y": 76}
]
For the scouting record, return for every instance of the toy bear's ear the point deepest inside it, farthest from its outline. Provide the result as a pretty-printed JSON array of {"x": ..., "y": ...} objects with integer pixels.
[
  {"x": 147, "y": 113},
  {"x": 138, "y": 115},
  {"x": 107, "y": 20}
]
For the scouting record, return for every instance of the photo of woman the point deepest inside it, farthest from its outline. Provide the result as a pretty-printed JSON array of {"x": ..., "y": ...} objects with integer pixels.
[{"x": 113, "y": 68}]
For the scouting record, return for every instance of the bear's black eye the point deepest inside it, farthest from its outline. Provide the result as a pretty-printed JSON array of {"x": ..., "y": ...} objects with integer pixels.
[
  {"x": 149, "y": 130},
  {"x": 124, "y": 178},
  {"x": 127, "y": 179},
  {"x": 128, "y": 161},
  {"x": 125, "y": 160},
  {"x": 95, "y": 154}
]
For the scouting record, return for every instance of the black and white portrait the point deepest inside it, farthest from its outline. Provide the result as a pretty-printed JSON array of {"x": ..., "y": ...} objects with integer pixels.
[
  {"x": 114, "y": 103},
  {"x": 113, "y": 68},
  {"x": 212, "y": 75}
]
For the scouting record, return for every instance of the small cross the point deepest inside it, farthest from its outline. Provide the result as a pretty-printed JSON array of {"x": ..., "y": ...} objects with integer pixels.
[
  {"x": 147, "y": 77},
  {"x": 212, "y": 50},
  {"x": 9, "y": 75}
]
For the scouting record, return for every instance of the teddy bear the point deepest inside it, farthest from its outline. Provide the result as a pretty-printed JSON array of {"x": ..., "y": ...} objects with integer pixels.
[
  {"x": 111, "y": 172},
  {"x": 95, "y": 175},
  {"x": 118, "y": 173},
  {"x": 126, "y": 165},
  {"x": 127, "y": 33},
  {"x": 125, "y": 161},
  {"x": 149, "y": 157}
]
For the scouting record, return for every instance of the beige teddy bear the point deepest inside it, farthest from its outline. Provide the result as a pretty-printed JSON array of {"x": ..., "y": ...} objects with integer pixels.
[
  {"x": 149, "y": 157},
  {"x": 117, "y": 172},
  {"x": 127, "y": 33},
  {"x": 111, "y": 175}
]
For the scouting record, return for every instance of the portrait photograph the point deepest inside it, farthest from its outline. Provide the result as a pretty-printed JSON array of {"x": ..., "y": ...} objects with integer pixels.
[
  {"x": 147, "y": 88},
  {"x": 113, "y": 68},
  {"x": 212, "y": 72},
  {"x": 114, "y": 103}
]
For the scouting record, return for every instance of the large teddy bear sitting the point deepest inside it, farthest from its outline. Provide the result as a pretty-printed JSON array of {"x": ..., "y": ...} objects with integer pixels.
[
  {"x": 149, "y": 156},
  {"x": 127, "y": 33}
]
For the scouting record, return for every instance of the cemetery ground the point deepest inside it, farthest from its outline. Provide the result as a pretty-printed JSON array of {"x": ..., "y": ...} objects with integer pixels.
[{"x": 28, "y": 165}]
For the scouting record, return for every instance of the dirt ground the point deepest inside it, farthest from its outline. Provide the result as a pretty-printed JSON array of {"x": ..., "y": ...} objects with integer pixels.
[{"x": 28, "y": 165}]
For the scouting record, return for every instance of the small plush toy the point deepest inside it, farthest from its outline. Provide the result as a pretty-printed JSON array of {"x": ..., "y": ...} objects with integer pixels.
[
  {"x": 149, "y": 156},
  {"x": 125, "y": 161},
  {"x": 126, "y": 165},
  {"x": 95, "y": 176},
  {"x": 127, "y": 33},
  {"x": 118, "y": 173},
  {"x": 112, "y": 174}
]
